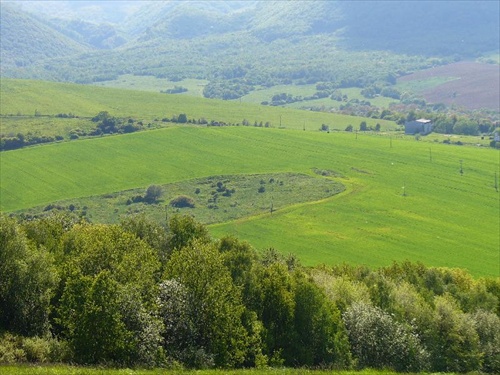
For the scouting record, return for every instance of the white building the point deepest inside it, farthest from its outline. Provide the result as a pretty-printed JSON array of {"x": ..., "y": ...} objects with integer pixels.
[{"x": 421, "y": 126}]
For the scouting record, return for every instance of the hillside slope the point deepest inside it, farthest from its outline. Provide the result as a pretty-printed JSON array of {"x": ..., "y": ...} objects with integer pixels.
[
  {"x": 275, "y": 41},
  {"x": 26, "y": 41}
]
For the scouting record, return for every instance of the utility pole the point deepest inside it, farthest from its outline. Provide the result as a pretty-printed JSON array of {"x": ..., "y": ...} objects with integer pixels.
[
  {"x": 430, "y": 154},
  {"x": 390, "y": 140},
  {"x": 166, "y": 213},
  {"x": 461, "y": 168},
  {"x": 496, "y": 182}
]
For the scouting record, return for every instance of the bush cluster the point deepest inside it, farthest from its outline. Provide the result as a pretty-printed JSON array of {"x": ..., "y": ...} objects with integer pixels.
[{"x": 143, "y": 294}]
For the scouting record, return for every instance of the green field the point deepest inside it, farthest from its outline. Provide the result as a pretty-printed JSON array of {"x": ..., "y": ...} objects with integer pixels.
[
  {"x": 420, "y": 85},
  {"x": 24, "y": 97},
  {"x": 265, "y": 94},
  {"x": 445, "y": 219},
  {"x": 153, "y": 84},
  {"x": 440, "y": 217}
]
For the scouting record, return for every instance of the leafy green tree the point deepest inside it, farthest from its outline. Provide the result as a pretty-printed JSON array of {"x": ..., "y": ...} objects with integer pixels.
[
  {"x": 182, "y": 118},
  {"x": 466, "y": 127},
  {"x": 145, "y": 326},
  {"x": 412, "y": 116},
  {"x": 242, "y": 262},
  {"x": 183, "y": 230},
  {"x": 105, "y": 269},
  {"x": 487, "y": 325},
  {"x": 240, "y": 259},
  {"x": 321, "y": 338},
  {"x": 48, "y": 232},
  {"x": 276, "y": 308},
  {"x": 101, "y": 116},
  {"x": 362, "y": 126},
  {"x": 341, "y": 290},
  {"x": 214, "y": 300},
  {"x": 27, "y": 280},
  {"x": 90, "y": 249},
  {"x": 455, "y": 344},
  {"x": 90, "y": 313},
  {"x": 380, "y": 288},
  {"x": 180, "y": 333},
  {"x": 390, "y": 92},
  {"x": 154, "y": 234},
  {"x": 153, "y": 193},
  {"x": 409, "y": 306},
  {"x": 378, "y": 341}
]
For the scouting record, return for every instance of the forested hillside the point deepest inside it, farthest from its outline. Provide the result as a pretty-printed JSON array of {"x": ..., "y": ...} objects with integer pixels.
[
  {"x": 26, "y": 41},
  {"x": 257, "y": 42}
]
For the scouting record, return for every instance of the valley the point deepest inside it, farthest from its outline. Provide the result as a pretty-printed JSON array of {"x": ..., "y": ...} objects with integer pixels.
[{"x": 265, "y": 187}]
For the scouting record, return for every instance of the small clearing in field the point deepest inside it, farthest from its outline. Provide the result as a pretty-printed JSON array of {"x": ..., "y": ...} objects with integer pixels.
[
  {"x": 476, "y": 85},
  {"x": 212, "y": 200}
]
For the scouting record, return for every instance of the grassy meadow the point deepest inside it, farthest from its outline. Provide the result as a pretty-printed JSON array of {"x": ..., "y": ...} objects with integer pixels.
[
  {"x": 403, "y": 198},
  {"x": 266, "y": 94},
  {"x": 150, "y": 83},
  {"x": 24, "y": 97},
  {"x": 398, "y": 203},
  {"x": 212, "y": 199}
]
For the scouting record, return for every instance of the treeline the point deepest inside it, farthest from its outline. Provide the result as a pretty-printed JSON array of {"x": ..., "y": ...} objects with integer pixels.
[
  {"x": 444, "y": 122},
  {"x": 105, "y": 123},
  {"x": 456, "y": 124},
  {"x": 22, "y": 140},
  {"x": 143, "y": 294}
]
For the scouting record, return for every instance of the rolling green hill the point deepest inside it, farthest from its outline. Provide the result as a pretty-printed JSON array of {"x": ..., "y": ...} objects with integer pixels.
[
  {"x": 48, "y": 98},
  {"x": 445, "y": 219},
  {"x": 404, "y": 199}
]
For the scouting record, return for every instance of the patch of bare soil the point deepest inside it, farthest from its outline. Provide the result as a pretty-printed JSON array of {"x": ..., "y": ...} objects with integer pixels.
[{"x": 477, "y": 86}]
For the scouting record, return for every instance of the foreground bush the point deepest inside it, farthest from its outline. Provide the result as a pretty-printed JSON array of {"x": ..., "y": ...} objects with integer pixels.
[{"x": 18, "y": 349}]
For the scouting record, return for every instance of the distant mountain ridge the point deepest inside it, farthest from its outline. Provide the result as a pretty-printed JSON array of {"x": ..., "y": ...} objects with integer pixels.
[
  {"x": 25, "y": 40},
  {"x": 247, "y": 42}
]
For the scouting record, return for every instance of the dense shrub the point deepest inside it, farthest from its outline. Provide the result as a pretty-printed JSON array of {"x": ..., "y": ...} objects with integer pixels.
[
  {"x": 153, "y": 193},
  {"x": 182, "y": 201},
  {"x": 18, "y": 349}
]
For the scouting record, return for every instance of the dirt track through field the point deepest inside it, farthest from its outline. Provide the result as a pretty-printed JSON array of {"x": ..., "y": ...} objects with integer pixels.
[{"x": 476, "y": 86}]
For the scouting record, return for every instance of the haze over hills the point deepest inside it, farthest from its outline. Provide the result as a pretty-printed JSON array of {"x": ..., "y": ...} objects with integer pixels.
[{"x": 237, "y": 45}]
